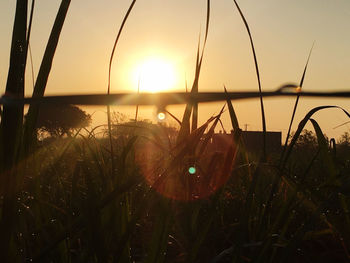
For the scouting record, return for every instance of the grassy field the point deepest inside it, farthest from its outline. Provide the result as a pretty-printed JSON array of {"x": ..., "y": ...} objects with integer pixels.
[{"x": 148, "y": 193}]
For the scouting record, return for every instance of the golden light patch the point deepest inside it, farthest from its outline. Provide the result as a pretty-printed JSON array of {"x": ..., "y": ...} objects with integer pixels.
[{"x": 155, "y": 75}]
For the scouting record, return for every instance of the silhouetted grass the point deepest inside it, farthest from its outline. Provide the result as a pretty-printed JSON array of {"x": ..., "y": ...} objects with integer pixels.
[{"x": 146, "y": 192}]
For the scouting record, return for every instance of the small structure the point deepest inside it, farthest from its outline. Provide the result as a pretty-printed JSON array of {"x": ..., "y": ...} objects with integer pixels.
[{"x": 253, "y": 141}]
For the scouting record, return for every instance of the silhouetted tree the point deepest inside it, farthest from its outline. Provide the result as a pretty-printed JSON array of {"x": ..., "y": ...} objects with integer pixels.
[
  {"x": 60, "y": 120},
  {"x": 307, "y": 139},
  {"x": 344, "y": 139}
]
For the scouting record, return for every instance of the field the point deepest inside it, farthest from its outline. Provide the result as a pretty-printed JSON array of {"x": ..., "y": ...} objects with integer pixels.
[{"x": 144, "y": 192}]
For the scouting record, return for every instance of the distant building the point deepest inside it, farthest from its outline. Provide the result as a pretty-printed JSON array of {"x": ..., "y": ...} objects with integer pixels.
[{"x": 253, "y": 141}]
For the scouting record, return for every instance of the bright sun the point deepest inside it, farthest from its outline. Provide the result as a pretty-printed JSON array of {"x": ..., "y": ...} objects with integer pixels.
[{"x": 155, "y": 75}]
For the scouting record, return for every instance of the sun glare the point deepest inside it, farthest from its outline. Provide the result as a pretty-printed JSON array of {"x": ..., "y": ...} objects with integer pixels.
[{"x": 155, "y": 75}]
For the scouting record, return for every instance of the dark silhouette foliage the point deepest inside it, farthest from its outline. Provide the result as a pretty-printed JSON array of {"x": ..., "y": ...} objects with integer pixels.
[{"x": 60, "y": 120}]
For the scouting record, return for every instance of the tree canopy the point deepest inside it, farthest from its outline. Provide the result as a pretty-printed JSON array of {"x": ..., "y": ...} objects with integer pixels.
[{"x": 60, "y": 120}]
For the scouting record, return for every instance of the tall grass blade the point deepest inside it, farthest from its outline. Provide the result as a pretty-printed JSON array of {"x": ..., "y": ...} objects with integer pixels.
[
  {"x": 30, "y": 25},
  {"x": 210, "y": 133},
  {"x": 109, "y": 84},
  {"x": 296, "y": 103},
  {"x": 43, "y": 75},
  {"x": 28, "y": 48},
  {"x": 258, "y": 77},
  {"x": 115, "y": 44},
  {"x": 301, "y": 127},
  {"x": 185, "y": 126},
  {"x": 31, "y": 64},
  {"x": 11, "y": 128},
  {"x": 195, "y": 105},
  {"x": 233, "y": 116},
  {"x": 174, "y": 117},
  {"x": 237, "y": 132},
  {"x": 324, "y": 151}
]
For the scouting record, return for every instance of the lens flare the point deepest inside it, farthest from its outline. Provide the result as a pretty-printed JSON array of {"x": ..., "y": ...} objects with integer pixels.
[
  {"x": 171, "y": 171},
  {"x": 161, "y": 116},
  {"x": 192, "y": 170}
]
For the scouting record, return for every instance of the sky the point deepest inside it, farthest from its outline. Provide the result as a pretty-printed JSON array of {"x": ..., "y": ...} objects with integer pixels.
[{"x": 283, "y": 33}]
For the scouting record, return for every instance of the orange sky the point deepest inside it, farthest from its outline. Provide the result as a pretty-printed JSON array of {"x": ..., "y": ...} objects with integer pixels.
[{"x": 283, "y": 32}]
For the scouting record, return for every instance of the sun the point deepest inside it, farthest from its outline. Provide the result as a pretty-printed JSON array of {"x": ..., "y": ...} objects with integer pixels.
[{"x": 155, "y": 75}]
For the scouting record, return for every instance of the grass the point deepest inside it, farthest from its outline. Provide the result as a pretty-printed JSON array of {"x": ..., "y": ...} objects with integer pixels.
[{"x": 129, "y": 196}]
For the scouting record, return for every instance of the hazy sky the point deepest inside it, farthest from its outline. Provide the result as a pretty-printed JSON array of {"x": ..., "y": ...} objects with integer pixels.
[{"x": 283, "y": 33}]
